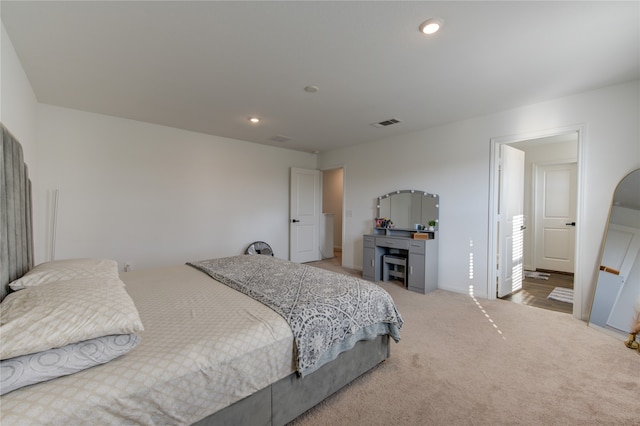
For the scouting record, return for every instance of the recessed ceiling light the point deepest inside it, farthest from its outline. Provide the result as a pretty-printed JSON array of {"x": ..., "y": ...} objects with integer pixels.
[
  {"x": 431, "y": 26},
  {"x": 254, "y": 120}
]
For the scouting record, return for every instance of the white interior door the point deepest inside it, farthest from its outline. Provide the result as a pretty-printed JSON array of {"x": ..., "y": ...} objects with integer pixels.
[
  {"x": 510, "y": 220},
  {"x": 618, "y": 285},
  {"x": 555, "y": 217},
  {"x": 304, "y": 211},
  {"x": 620, "y": 248},
  {"x": 624, "y": 306}
]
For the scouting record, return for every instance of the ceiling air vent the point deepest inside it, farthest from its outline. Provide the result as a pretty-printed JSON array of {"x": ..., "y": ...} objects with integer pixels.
[
  {"x": 280, "y": 138},
  {"x": 386, "y": 123}
]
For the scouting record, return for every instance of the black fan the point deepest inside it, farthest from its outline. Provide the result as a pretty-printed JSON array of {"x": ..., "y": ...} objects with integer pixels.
[{"x": 259, "y": 247}]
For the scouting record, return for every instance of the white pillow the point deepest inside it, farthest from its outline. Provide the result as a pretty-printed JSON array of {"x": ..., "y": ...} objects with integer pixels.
[
  {"x": 50, "y": 316},
  {"x": 69, "y": 269}
]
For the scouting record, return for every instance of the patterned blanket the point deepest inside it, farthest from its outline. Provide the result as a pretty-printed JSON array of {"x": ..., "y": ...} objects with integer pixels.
[{"x": 328, "y": 312}]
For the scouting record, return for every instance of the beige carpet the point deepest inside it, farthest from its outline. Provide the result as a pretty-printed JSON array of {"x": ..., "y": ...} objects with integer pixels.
[{"x": 468, "y": 362}]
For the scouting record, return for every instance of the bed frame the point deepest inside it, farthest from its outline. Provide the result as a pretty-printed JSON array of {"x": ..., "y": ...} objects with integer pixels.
[
  {"x": 276, "y": 404},
  {"x": 286, "y": 399}
]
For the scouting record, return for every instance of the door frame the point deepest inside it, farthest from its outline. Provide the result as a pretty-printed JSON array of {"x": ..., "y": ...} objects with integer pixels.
[
  {"x": 492, "y": 257},
  {"x": 344, "y": 214}
]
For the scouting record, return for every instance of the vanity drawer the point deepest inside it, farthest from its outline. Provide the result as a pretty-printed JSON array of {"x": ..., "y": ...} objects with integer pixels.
[
  {"x": 397, "y": 243},
  {"x": 369, "y": 241},
  {"x": 417, "y": 247}
]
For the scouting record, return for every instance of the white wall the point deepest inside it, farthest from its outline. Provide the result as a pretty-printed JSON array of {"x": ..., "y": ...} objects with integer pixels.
[
  {"x": 154, "y": 195},
  {"x": 18, "y": 104},
  {"x": 140, "y": 193},
  {"x": 453, "y": 161},
  {"x": 625, "y": 217}
]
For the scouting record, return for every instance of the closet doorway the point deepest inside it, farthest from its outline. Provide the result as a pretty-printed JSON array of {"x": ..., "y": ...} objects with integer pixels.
[
  {"x": 548, "y": 237},
  {"x": 332, "y": 211}
]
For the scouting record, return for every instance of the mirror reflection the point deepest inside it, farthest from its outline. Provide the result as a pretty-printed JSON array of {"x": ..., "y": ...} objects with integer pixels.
[
  {"x": 617, "y": 296},
  {"x": 410, "y": 209}
]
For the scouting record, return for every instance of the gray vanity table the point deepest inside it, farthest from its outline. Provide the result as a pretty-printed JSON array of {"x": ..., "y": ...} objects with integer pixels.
[{"x": 410, "y": 239}]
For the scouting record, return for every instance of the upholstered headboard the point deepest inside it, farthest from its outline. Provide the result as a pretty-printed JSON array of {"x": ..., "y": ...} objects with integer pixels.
[{"x": 16, "y": 223}]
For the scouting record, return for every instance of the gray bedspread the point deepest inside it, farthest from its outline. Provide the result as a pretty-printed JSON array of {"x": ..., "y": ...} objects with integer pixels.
[{"x": 328, "y": 312}]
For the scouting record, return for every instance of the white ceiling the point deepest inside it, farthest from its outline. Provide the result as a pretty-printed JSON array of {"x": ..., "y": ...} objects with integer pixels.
[{"x": 207, "y": 66}]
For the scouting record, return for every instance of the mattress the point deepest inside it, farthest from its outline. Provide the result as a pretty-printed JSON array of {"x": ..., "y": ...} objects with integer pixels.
[{"x": 204, "y": 347}]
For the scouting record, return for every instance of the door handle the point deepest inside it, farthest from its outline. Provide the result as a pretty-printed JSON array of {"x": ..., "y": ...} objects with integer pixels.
[
  {"x": 295, "y": 221},
  {"x": 571, "y": 223}
]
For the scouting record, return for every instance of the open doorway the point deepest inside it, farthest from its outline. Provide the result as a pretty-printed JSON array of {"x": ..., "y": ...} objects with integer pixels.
[
  {"x": 332, "y": 212},
  {"x": 544, "y": 266}
]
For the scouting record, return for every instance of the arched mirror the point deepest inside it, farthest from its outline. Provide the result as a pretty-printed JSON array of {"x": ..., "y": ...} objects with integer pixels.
[
  {"x": 410, "y": 209},
  {"x": 618, "y": 288}
]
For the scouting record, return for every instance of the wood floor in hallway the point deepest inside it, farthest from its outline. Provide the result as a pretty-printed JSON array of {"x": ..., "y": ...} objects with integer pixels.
[{"x": 535, "y": 291}]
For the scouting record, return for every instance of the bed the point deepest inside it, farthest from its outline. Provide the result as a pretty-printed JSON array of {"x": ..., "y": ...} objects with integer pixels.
[{"x": 199, "y": 343}]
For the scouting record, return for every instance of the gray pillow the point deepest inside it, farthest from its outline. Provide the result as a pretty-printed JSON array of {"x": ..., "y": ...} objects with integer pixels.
[{"x": 41, "y": 366}]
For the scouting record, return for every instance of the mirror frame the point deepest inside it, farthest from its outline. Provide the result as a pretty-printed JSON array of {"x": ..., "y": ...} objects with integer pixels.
[
  {"x": 424, "y": 226},
  {"x": 605, "y": 303}
]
